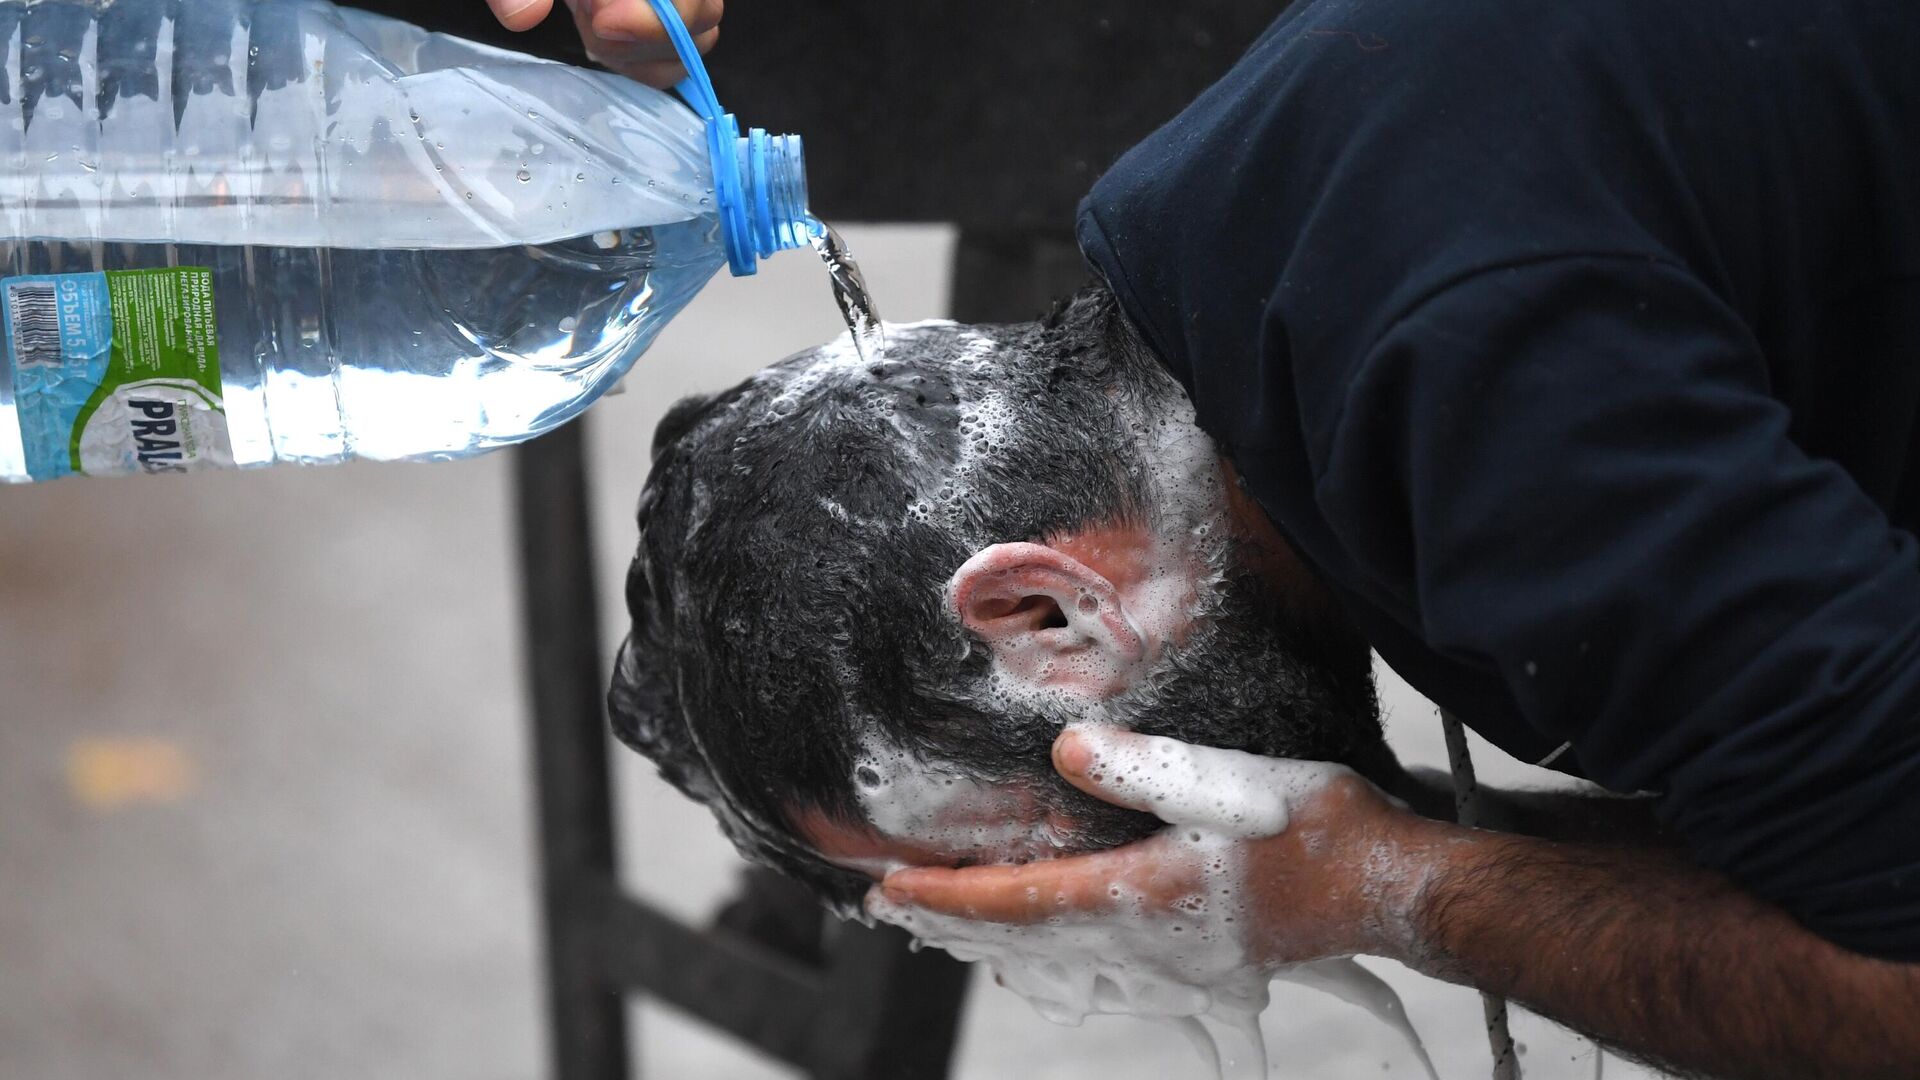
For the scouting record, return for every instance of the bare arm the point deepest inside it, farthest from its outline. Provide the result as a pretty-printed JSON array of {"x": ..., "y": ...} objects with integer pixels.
[
  {"x": 1633, "y": 945},
  {"x": 1661, "y": 958}
]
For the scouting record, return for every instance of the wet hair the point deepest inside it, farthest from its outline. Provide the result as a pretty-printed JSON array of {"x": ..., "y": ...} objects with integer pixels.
[{"x": 796, "y": 535}]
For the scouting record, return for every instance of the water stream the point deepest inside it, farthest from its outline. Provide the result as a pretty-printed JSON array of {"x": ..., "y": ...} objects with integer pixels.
[{"x": 851, "y": 293}]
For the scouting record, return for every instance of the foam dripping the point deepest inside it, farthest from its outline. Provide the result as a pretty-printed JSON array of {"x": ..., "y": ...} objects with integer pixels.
[{"x": 1185, "y": 964}]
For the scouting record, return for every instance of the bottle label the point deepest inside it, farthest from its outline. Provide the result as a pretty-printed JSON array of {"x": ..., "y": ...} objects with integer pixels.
[{"x": 116, "y": 372}]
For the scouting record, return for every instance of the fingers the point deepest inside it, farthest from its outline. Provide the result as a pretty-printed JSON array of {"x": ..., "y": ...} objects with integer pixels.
[
  {"x": 1086, "y": 757},
  {"x": 1236, "y": 793},
  {"x": 622, "y": 30},
  {"x": 664, "y": 74},
  {"x": 1032, "y": 893},
  {"x": 520, "y": 14},
  {"x": 626, "y": 36},
  {"x": 634, "y": 21}
]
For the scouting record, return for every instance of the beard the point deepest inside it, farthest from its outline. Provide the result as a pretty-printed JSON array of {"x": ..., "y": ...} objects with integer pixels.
[{"x": 1257, "y": 674}]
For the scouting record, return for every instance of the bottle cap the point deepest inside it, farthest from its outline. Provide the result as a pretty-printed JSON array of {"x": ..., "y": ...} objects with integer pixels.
[{"x": 759, "y": 180}]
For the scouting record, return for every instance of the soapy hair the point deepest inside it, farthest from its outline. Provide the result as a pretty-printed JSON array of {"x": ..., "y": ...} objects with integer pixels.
[{"x": 796, "y": 534}]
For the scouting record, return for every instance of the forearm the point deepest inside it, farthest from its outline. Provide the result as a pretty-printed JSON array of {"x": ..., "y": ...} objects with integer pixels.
[{"x": 1658, "y": 957}]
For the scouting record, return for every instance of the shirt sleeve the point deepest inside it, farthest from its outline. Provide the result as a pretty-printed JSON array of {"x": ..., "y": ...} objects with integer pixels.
[{"x": 1571, "y": 473}]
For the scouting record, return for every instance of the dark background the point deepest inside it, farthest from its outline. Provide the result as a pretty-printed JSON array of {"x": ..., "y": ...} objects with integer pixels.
[{"x": 996, "y": 116}]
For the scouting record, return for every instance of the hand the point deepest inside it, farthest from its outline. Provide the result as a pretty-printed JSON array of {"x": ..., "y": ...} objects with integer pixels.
[
  {"x": 624, "y": 35},
  {"x": 1295, "y": 861}
]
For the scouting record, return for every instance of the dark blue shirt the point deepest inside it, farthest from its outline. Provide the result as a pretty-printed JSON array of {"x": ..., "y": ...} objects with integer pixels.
[{"x": 1577, "y": 345}]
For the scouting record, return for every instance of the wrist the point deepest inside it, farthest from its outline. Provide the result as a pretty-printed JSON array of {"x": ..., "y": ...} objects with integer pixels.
[{"x": 1404, "y": 873}]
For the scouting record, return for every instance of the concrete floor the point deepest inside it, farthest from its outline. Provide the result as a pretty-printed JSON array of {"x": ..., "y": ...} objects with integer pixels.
[{"x": 263, "y": 805}]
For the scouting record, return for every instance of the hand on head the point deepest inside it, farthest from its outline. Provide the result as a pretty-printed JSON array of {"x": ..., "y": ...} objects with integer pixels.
[
  {"x": 1296, "y": 860},
  {"x": 868, "y": 596},
  {"x": 624, "y": 35}
]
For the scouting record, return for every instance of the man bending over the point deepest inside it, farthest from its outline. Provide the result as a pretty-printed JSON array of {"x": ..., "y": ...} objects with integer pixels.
[{"x": 1566, "y": 354}]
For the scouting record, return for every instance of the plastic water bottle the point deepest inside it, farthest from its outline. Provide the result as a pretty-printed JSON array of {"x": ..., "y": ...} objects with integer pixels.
[{"x": 237, "y": 233}]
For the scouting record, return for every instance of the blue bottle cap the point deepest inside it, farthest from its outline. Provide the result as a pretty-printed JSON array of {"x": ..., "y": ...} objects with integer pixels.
[{"x": 759, "y": 180}]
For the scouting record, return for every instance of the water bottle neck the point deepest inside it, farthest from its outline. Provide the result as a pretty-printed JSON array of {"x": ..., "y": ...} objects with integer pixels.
[
  {"x": 759, "y": 180},
  {"x": 760, "y": 188},
  {"x": 773, "y": 197}
]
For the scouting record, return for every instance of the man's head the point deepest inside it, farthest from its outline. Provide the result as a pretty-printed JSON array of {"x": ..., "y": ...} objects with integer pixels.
[{"x": 868, "y": 596}]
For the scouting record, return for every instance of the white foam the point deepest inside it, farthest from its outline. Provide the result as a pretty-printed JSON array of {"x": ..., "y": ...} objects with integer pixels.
[
  {"x": 1182, "y": 461},
  {"x": 838, "y": 355},
  {"x": 946, "y": 494},
  {"x": 940, "y": 808},
  {"x": 1176, "y": 962}
]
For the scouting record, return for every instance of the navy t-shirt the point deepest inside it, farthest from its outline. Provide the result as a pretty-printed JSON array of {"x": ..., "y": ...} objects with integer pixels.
[{"x": 1577, "y": 345}]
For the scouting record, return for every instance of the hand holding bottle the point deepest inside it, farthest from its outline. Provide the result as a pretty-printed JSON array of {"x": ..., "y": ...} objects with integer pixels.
[{"x": 624, "y": 35}]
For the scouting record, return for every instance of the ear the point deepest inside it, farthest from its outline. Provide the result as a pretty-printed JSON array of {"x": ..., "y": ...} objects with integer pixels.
[{"x": 1051, "y": 620}]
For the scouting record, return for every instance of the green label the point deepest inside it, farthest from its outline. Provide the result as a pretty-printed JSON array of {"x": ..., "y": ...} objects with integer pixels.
[{"x": 158, "y": 406}]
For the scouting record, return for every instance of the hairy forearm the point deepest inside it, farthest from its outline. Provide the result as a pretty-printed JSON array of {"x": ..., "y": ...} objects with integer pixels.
[{"x": 1660, "y": 958}]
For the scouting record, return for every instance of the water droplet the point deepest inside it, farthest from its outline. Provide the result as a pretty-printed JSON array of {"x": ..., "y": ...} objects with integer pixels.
[
  {"x": 568, "y": 324},
  {"x": 523, "y": 176}
]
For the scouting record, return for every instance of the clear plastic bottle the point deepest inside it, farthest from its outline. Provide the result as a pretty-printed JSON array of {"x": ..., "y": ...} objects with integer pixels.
[{"x": 237, "y": 233}]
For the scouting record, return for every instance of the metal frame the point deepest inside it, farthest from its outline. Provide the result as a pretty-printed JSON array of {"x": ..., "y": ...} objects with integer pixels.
[{"x": 1466, "y": 809}]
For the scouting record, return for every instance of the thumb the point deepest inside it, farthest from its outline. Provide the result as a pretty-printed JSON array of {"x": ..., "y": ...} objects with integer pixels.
[
  {"x": 1229, "y": 791},
  {"x": 520, "y": 14}
]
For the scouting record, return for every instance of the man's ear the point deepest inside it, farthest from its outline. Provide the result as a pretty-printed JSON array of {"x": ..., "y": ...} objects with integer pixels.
[{"x": 1051, "y": 620}]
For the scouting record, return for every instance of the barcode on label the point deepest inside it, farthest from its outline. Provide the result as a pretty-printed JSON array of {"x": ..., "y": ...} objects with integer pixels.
[{"x": 34, "y": 319}]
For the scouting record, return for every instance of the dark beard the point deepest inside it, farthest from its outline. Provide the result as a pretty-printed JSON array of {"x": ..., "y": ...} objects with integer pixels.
[{"x": 1257, "y": 674}]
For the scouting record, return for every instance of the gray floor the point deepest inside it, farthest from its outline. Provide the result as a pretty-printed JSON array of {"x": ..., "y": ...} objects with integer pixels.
[{"x": 263, "y": 807}]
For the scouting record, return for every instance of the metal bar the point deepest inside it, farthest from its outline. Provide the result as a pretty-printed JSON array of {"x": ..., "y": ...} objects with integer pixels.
[
  {"x": 572, "y": 787},
  {"x": 895, "y": 1011},
  {"x": 1466, "y": 805},
  {"x": 745, "y": 989}
]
